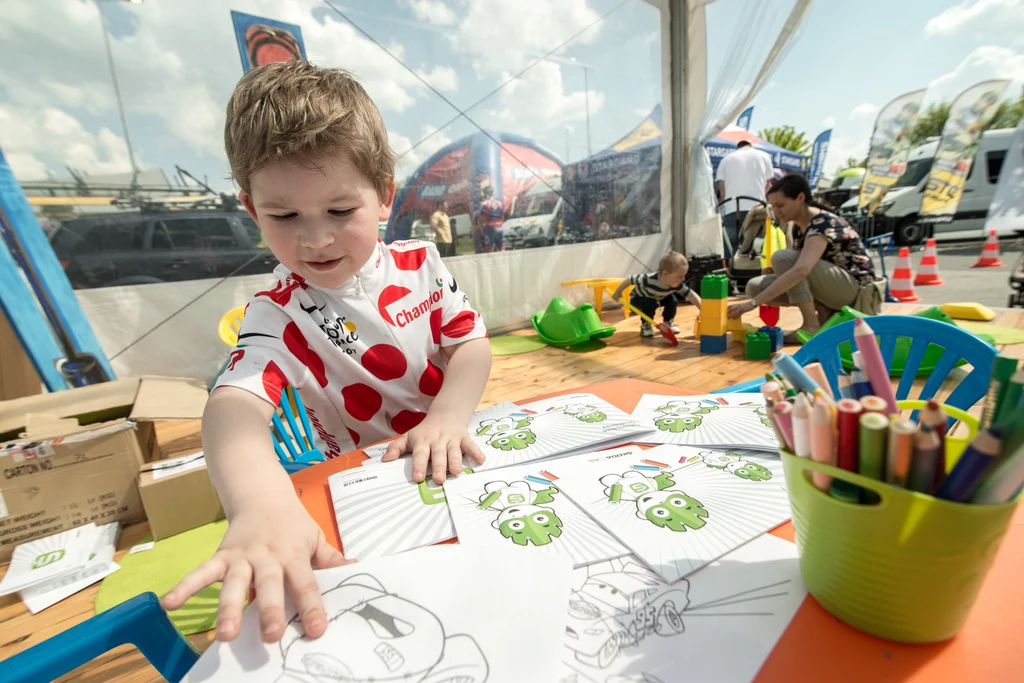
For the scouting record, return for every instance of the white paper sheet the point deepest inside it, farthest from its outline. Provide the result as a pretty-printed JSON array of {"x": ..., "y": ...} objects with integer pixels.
[
  {"x": 48, "y": 558},
  {"x": 716, "y": 420},
  {"x": 415, "y": 618},
  {"x": 676, "y": 507},
  {"x": 520, "y": 508},
  {"x": 720, "y": 624},
  {"x": 99, "y": 566}
]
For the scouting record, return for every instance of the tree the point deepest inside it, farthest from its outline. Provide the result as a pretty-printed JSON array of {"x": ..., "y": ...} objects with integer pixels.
[
  {"x": 1008, "y": 114},
  {"x": 854, "y": 162},
  {"x": 786, "y": 137},
  {"x": 929, "y": 123}
]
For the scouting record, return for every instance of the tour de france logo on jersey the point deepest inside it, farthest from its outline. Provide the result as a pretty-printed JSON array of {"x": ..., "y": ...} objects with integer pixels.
[{"x": 342, "y": 333}]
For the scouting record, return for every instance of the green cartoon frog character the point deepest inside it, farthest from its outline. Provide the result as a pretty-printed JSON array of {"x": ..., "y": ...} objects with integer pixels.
[
  {"x": 680, "y": 407},
  {"x": 508, "y": 433},
  {"x": 761, "y": 412},
  {"x": 655, "y": 501},
  {"x": 681, "y": 416},
  {"x": 677, "y": 423},
  {"x": 585, "y": 412},
  {"x": 733, "y": 463},
  {"x": 522, "y": 519}
]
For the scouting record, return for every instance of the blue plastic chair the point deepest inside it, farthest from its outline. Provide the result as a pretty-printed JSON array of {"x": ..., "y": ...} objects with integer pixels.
[
  {"x": 294, "y": 448},
  {"x": 956, "y": 343},
  {"x": 139, "y": 621},
  {"x": 884, "y": 243}
]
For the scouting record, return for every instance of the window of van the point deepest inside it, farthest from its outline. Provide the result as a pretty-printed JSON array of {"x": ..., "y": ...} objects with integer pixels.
[{"x": 994, "y": 161}]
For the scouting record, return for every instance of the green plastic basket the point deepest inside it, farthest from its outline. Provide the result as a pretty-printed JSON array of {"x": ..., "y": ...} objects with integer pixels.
[{"x": 907, "y": 569}]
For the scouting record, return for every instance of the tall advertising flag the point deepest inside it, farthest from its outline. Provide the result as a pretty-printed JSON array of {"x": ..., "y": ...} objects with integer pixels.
[
  {"x": 1006, "y": 212},
  {"x": 887, "y": 158},
  {"x": 744, "y": 120},
  {"x": 262, "y": 41},
  {"x": 971, "y": 113},
  {"x": 818, "y": 153}
]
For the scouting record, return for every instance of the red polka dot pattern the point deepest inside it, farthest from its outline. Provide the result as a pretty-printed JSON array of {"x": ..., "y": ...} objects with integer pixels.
[
  {"x": 435, "y": 325},
  {"x": 461, "y": 325},
  {"x": 388, "y": 296},
  {"x": 274, "y": 382},
  {"x": 385, "y": 362},
  {"x": 432, "y": 379},
  {"x": 299, "y": 348},
  {"x": 409, "y": 260},
  {"x": 355, "y": 436},
  {"x": 361, "y": 401},
  {"x": 406, "y": 420}
]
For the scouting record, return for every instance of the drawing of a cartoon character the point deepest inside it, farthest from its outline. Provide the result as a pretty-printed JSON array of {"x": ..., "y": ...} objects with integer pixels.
[
  {"x": 387, "y": 638},
  {"x": 585, "y": 412},
  {"x": 654, "y": 500},
  {"x": 508, "y": 433},
  {"x": 522, "y": 517},
  {"x": 761, "y": 412},
  {"x": 681, "y": 416},
  {"x": 734, "y": 463}
]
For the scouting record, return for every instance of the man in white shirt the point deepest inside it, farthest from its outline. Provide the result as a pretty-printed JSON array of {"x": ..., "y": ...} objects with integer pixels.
[{"x": 747, "y": 172}]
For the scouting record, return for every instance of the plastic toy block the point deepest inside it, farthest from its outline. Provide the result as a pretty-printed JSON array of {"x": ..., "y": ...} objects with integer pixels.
[
  {"x": 713, "y": 326},
  {"x": 740, "y": 336},
  {"x": 713, "y": 343},
  {"x": 759, "y": 346},
  {"x": 769, "y": 314},
  {"x": 737, "y": 329},
  {"x": 714, "y": 286},
  {"x": 714, "y": 308},
  {"x": 696, "y": 328},
  {"x": 775, "y": 334}
]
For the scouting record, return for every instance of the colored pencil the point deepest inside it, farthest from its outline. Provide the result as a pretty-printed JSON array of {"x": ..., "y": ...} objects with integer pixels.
[
  {"x": 817, "y": 373},
  {"x": 783, "y": 413},
  {"x": 927, "y": 458},
  {"x": 793, "y": 373},
  {"x": 1003, "y": 368},
  {"x": 971, "y": 466},
  {"x": 821, "y": 442},
  {"x": 802, "y": 426},
  {"x": 901, "y": 451},
  {"x": 1004, "y": 483},
  {"x": 770, "y": 410},
  {"x": 874, "y": 444},
  {"x": 1010, "y": 398},
  {"x": 874, "y": 404},
  {"x": 848, "y": 433},
  {"x": 772, "y": 390},
  {"x": 874, "y": 365}
]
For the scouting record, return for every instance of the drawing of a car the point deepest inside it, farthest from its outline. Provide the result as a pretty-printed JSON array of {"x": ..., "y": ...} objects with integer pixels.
[{"x": 619, "y": 609}]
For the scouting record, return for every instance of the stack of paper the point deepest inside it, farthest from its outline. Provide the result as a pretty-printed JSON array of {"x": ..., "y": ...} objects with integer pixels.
[
  {"x": 718, "y": 420},
  {"x": 99, "y": 566},
  {"x": 46, "y": 567}
]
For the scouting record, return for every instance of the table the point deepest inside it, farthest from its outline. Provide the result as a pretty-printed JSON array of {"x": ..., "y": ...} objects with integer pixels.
[{"x": 817, "y": 646}]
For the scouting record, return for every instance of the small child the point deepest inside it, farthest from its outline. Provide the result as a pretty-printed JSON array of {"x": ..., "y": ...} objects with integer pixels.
[
  {"x": 378, "y": 339},
  {"x": 652, "y": 291}
]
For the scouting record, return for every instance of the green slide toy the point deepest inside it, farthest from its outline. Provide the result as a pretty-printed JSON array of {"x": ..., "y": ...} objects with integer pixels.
[{"x": 561, "y": 324}]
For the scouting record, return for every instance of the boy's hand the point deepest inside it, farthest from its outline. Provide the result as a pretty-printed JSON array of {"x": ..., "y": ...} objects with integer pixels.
[
  {"x": 439, "y": 441},
  {"x": 266, "y": 548}
]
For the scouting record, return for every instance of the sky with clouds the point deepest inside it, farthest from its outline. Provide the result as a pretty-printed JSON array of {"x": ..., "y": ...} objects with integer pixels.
[{"x": 425, "y": 60}]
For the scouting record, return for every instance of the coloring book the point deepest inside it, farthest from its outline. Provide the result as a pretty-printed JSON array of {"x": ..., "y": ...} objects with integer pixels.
[
  {"x": 679, "y": 508},
  {"x": 414, "y": 618},
  {"x": 719, "y": 624},
  {"x": 717, "y": 420},
  {"x": 521, "y": 508}
]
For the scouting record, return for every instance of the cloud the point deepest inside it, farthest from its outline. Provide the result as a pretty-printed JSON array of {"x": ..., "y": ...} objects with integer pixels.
[
  {"x": 829, "y": 122},
  {"x": 841, "y": 148},
  {"x": 864, "y": 111},
  {"x": 429, "y": 141},
  {"x": 972, "y": 15},
  {"x": 45, "y": 140},
  {"x": 984, "y": 63},
  {"x": 443, "y": 78},
  {"x": 538, "y": 101},
  {"x": 432, "y": 11},
  {"x": 642, "y": 112}
]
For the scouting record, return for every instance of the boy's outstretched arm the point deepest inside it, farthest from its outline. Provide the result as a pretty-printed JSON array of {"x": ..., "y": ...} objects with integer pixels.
[
  {"x": 618, "y": 290},
  {"x": 442, "y": 438},
  {"x": 271, "y": 540}
]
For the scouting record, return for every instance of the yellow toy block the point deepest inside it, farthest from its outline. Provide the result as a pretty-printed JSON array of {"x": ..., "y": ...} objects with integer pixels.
[
  {"x": 696, "y": 328},
  {"x": 740, "y": 335},
  {"x": 968, "y": 311},
  {"x": 714, "y": 308},
  {"x": 714, "y": 327}
]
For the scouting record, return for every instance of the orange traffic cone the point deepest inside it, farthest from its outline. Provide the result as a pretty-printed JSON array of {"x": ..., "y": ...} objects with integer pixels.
[
  {"x": 989, "y": 253},
  {"x": 901, "y": 286},
  {"x": 928, "y": 273}
]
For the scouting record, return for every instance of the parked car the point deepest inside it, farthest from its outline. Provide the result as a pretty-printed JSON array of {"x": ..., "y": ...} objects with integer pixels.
[
  {"x": 846, "y": 184},
  {"x": 535, "y": 217},
  {"x": 108, "y": 250}
]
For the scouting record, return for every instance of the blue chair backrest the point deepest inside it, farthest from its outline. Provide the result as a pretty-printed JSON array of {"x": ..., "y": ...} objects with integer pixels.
[
  {"x": 294, "y": 448},
  {"x": 139, "y": 621},
  {"x": 956, "y": 345}
]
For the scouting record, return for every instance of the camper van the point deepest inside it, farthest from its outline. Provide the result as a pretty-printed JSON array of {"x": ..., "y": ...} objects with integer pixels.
[
  {"x": 898, "y": 211},
  {"x": 536, "y": 212}
]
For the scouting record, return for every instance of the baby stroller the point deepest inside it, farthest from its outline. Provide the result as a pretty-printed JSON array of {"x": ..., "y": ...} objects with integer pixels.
[{"x": 747, "y": 261}]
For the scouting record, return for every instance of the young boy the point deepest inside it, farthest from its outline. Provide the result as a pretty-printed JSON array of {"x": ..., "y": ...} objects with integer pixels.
[
  {"x": 378, "y": 339},
  {"x": 654, "y": 290}
]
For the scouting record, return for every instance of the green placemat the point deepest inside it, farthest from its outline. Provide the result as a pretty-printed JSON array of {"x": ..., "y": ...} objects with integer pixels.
[
  {"x": 161, "y": 568},
  {"x": 1001, "y": 335},
  {"x": 514, "y": 344}
]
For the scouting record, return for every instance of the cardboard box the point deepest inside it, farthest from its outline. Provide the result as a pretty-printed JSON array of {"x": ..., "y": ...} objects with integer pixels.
[
  {"x": 17, "y": 376},
  {"x": 73, "y": 457},
  {"x": 178, "y": 495}
]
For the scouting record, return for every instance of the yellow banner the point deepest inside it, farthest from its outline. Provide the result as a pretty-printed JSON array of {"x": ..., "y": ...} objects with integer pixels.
[
  {"x": 887, "y": 158},
  {"x": 969, "y": 116}
]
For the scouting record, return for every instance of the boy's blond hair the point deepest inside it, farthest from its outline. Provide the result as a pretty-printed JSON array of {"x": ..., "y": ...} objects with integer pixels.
[
  {"x": 673, "y": 262},
  {"x": 295, "y": 111}
]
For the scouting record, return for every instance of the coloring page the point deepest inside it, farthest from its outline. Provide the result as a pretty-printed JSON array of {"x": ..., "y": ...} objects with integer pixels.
[
  {"x": 678, "y": 508},
  {"x": 412, "y": 619},
  {"x": 720, "y": 624},
  {"x": 522, "y": 509},
  {"x": 730, "y": 420}
]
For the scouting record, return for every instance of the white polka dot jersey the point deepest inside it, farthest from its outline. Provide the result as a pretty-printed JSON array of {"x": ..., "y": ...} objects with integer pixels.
[{"x": 366, "y": 356}]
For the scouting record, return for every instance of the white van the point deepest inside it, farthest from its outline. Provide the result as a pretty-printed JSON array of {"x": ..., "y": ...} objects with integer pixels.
[
  {"x": 535, "y": 215},
  {"x": 898, "y": 211}
]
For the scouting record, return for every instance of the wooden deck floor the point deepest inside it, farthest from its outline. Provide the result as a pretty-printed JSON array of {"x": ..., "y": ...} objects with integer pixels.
[{"x": 513, "y": 378}]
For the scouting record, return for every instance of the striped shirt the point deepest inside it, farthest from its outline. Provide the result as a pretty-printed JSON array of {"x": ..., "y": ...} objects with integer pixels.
[{"x": 650, "y": 286}]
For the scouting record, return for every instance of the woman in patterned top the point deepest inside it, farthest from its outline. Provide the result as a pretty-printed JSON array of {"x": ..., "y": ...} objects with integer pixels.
[{"x": 822, "y": 273}]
